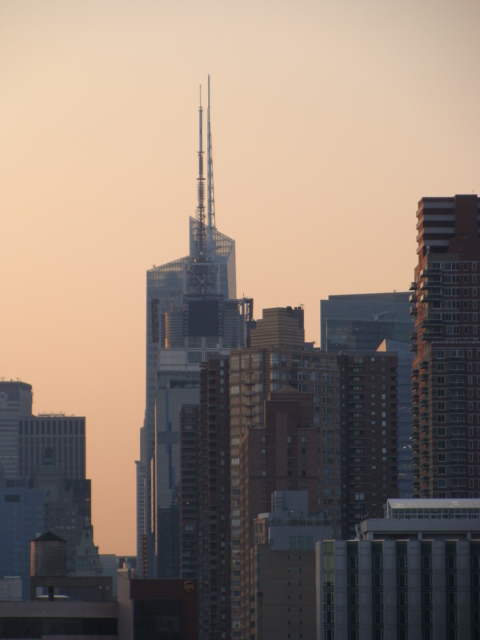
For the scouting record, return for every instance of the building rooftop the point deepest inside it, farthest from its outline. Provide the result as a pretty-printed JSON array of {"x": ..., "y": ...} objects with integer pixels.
[{"x": 434, "y": 508}]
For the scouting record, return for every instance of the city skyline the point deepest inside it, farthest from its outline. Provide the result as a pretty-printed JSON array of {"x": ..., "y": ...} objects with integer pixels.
[{"x": 324, "y": 119}]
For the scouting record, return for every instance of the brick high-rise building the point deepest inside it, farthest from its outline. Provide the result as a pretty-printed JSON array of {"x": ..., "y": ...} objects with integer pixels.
[
  {"x": 189, "y": 490},
  {"x": 255, "y": 373},
  {"x": 446, "y": 367},
  {"x": 369, "y": 435},
  {"x": 205, "y": 497},
  {"x": 280, "y": 457}
]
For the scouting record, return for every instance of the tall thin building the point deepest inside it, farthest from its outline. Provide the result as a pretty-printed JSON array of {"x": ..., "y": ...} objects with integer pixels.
[
  {"x": 369, "y": 435},
  {"x": 205, "y": 497},
  {"x": 192, "y": 314},
  {"x": 278, "y": 356},
  {"x": 15, "y": 402},
  {"x": 446, "y": 367}
]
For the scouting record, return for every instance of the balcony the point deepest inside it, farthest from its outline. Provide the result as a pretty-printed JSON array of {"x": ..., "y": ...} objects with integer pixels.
[
  {"x": 414, "y": 347},
  {"x": 412, "y": 298},
  {"x": 413, "y": 286},
  {"x": 413, "y": 311},
  {"x": 431, "y": 295},
  {"x": 414, "y": 373},
  {"x": 413, "y": 335},
  {"x": 430, "y": 321},
  {"x": 431, "y": 334},
  {"x": 430, "y": 271}
]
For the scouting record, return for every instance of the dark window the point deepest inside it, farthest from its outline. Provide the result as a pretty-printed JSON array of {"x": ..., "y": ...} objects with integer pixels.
[{"x": 12, "y": 497}]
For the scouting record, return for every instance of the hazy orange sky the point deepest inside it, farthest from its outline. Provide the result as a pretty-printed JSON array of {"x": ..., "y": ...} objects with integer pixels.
[{"x": 330, "y": 120}]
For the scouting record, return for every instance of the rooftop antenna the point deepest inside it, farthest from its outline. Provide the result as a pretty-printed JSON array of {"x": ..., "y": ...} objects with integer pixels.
[
  {"x": 200, "y": 239},
  {"x": 210, "y": 197}
]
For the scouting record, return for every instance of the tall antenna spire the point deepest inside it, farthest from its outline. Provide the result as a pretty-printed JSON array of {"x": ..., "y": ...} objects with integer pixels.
[
  {"x": 200, "y": 235},
  {"x": 210, "y": 197}
]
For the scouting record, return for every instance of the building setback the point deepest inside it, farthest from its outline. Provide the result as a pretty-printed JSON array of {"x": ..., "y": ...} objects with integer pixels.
[
  {"x": 369, "y": 435},
  {"x": 446, "y": 367}
]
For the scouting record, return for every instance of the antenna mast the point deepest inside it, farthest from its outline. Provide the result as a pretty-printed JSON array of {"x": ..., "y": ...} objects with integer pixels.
[
  {"x": 211, "y": 199},
  {"x": 200, "y": 239}
]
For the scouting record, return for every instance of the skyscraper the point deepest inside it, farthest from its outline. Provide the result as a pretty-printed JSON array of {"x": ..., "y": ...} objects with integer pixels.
[
  {"x": 278, "y": 357},
  {"x": 369, "y": 435},
  {"x": 362, "y": 321},
  {"x": 446, "y": 367},
  {"x": 205, "y": 497},
  {"x": 192, "y": 314},
  {"x": 15, "y": 402}
]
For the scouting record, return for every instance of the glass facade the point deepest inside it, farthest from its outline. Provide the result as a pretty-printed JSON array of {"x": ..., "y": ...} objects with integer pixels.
[
  {"x": 192, "y": 314},
  {"x": 363, "y": 321}
]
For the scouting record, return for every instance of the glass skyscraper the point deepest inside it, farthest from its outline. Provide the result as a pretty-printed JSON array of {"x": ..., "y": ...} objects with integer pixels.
[
  {"x": 192, "y": 313},
  {"x": 362, "y": 321}
]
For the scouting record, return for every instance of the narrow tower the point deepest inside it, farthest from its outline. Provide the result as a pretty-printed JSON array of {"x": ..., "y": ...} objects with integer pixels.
[
  {"x": 200, "y": 239},
  {"x": 210, "y": 196}
]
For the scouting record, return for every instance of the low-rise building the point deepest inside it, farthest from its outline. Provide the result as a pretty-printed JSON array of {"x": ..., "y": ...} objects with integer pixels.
[{"x": 413, "y": 576}]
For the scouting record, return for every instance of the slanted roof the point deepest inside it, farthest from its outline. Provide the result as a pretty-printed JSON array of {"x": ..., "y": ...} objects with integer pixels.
[{"x": 49, "y": 536}]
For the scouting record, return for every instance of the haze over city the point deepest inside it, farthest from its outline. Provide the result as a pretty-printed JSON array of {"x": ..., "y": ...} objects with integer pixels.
[{"x": 330, "y": 120}]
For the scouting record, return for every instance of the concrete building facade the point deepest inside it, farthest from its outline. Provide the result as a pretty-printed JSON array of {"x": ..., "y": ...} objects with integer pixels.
[{"x": 412, "y": 576}]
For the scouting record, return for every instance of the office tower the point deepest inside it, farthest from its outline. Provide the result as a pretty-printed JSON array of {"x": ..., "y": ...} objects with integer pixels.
[
  {"x": 24, "y": 436},
  {"x": 362, "y": 321},
  {"x": 415, "y": 574},
  {"x": 404, "y": 414},
  {"x": 21, "y": 519},
  {"x": 446, "y": 367},
  {"x": 368, "y": 381},
  {"x": 63, "y": 436},
  {"x": 192, "y": 314},
  {"x": 205, "y": 497},
  {"x": 281, "y": 456},
  {"x": 15, "y": 402}
]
